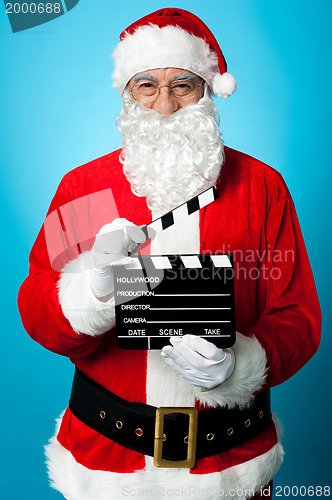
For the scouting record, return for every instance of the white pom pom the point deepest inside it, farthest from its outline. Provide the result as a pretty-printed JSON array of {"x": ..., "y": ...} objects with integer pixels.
[{"x": 224, "y": 85}]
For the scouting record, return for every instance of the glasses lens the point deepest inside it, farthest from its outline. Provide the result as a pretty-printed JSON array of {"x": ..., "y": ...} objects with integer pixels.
[
  {"x": 183, "y": 89},
  {"x": 144, "y": 89}
]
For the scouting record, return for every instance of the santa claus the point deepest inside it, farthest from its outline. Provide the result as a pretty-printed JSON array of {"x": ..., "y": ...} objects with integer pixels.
[{"x": 167, "y": 66}]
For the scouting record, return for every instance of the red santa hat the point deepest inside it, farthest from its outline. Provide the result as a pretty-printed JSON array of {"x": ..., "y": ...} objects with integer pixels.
[{"x": 171, "y": 38}]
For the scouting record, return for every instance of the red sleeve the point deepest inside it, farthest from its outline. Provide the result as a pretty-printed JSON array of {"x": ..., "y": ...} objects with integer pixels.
[
  {"x": 290, "y": 325},
  {"x": 38, "y": 300}
]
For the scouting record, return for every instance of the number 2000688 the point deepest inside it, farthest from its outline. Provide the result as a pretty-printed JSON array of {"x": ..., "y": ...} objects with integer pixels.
[
  {"x": 33, "y": 8},
  {"x": 302, "y": 491}
]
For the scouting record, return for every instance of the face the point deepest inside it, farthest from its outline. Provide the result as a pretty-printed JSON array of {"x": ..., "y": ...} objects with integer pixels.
[{"x": 166, "y": 101}]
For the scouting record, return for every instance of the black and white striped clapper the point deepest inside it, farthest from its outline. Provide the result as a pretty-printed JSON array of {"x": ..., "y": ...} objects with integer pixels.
[
  {"x": 157, "y": 297},
  {"x": 180, "y": 212}
]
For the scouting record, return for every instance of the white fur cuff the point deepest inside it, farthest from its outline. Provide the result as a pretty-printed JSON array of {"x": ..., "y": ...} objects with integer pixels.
[
  {"x": 83, "y": 310},
  {"x": 247, "y": 378}
]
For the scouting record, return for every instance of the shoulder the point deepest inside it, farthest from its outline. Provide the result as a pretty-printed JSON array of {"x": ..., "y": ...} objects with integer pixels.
[
  {"x": 100, "y": 165},
  {"x": 246, "y": 172},
  {"x": 94, "y": 175},
  {"x": 246, "y": 165}
]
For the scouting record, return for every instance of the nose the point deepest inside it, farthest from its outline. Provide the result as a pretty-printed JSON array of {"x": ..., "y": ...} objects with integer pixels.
[{"x": 165, "y": 103}]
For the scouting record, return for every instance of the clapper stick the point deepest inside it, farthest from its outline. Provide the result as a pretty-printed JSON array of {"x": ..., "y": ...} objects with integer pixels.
[
  {"x": 158, "y": 297},
  {"x": 182, "y": 211}
]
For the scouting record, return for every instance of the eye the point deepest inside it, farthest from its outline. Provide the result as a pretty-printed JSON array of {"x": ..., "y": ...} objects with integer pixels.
[
  {"x": 146, "y": 88},
  {"x": 183, "y": 88},
  {"x": 145, "y": 85}
]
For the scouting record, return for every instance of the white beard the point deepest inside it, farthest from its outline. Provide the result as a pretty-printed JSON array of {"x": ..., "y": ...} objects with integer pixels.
[{"x": 170, "y": 159}]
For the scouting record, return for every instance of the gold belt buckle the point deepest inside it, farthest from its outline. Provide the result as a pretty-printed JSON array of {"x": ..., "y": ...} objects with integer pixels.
[{"x": 159, "y": 437}]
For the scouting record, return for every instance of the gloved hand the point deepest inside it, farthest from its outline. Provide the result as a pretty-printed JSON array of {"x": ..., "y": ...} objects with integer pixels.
[
  {"x": 112, "y": 246},
  {"x": 198, "y": 361}
]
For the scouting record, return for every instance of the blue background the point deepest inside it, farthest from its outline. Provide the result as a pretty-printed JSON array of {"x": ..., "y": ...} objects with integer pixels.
[{"x": 58, "y": 111}]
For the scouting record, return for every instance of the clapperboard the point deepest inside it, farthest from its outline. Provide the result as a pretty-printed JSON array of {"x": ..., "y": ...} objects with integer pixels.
[
  {"x": 157, "y": 297},
  {"x": 180, "y": 212}
]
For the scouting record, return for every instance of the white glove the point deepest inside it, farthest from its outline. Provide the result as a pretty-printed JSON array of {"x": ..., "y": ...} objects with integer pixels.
[
  {"x": 198, "y": 361},
  {"x": 112, "y": 246}
]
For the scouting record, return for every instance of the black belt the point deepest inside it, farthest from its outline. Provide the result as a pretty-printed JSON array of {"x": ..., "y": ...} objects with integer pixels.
[{"x": 171, "y": 435}]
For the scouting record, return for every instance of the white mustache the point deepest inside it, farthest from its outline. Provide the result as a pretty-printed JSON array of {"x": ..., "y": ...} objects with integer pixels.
[{"x": 168, "y": 159}]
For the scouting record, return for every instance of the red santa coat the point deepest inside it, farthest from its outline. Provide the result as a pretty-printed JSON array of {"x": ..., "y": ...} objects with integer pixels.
[{"x": 277, "y": 313}]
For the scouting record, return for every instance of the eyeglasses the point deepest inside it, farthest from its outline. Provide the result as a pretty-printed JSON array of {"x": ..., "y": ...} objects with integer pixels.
[{"x": 148, "y": 91}]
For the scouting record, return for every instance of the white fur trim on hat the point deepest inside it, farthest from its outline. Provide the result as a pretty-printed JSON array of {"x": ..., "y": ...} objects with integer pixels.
[{"x": 151, "y": 47}]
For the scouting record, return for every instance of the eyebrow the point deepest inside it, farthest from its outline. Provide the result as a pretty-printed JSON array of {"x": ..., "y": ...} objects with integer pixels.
[
  {"x": 144, "y": 76},
  {"x": 182, "y": 78},
  {"x": 150, "y": 78}
]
